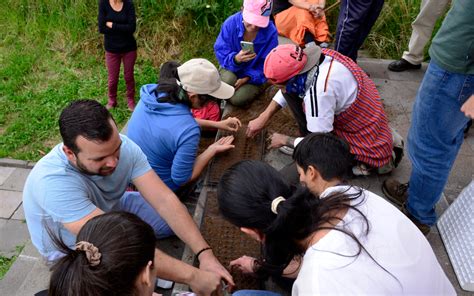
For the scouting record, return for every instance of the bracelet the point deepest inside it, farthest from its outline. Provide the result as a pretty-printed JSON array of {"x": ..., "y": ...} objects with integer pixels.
[{"x": 202, "y": 250}]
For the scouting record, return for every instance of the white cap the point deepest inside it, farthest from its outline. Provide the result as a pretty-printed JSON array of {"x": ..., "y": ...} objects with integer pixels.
[{"x": 201, "y": 76}]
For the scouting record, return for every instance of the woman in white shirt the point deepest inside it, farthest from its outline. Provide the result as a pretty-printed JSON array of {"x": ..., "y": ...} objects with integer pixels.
[{"x": 334, "y": 238}]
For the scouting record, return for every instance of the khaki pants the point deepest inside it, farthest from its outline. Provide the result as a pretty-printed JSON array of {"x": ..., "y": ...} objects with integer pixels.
[
  {"x": 242, "y": 96},
  {"x": 422, "y": 28}
]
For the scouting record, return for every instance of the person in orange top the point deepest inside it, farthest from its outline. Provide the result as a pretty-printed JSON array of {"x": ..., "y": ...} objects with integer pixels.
[{"x": 302, "y": 21}]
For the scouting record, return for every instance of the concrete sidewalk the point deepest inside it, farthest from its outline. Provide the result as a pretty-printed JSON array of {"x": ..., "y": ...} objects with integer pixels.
[{"x": 398, "y": 90}]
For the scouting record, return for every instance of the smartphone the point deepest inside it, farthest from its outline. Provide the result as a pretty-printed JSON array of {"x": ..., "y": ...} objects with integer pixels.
[{"x": 248, "y": 46}]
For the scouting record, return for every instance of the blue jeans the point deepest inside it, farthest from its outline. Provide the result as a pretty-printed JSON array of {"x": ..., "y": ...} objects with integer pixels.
[
  {"x": 435, "y": 137},
  {"x": 133, "y": 202},
  {"x": 255, "y": 293}
]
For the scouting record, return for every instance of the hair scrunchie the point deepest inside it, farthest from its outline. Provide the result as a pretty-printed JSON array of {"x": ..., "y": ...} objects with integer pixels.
[
  {"x": 275, "y": 204},
  {"x": 92, "y": 252}
]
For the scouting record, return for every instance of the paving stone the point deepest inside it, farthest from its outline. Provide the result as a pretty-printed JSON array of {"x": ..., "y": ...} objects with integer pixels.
[
  {"x": 19, "y": 214},
  {"x": 37, "y": 280},
  {"x": 28, "y": 274},
  {"x": 376, "y": 69},
  {"x": 470, "y": 138},
  {"x": 13, "y": 233},
  {"x": 412, "y": 75},
  {"x": 9, "y": 162},
  {"x": 16, "y": 181},
  {"x": 9, "y": 202},
  {"x": 15, "y": 277},
  {"x": 5, "y": 172}
]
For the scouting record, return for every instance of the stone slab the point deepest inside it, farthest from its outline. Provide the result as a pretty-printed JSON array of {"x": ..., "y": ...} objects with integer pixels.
[
  {"x": 13, "y": 233},
  {"x": 379, "y": 69},
  {"x": 16, "y": 181},
  {"x": 17, "y": 163},
  {"x": 15, "y": 277},
  {"x": 36, "y": 280},
  {"x": 19, "y": 214},
  {"x": 9, "y": 203},
  {"x": 5, "y": 173}
]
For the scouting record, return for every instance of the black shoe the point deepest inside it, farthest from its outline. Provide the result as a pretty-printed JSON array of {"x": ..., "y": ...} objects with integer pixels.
[{"x": 402, "y": 65}]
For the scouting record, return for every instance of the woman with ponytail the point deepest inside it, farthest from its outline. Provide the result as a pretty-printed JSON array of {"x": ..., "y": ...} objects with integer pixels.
[
  {"x": 114, "y": 255},
  {"x": 164, "y": 128},
  {"x": 334, "y": 238}
]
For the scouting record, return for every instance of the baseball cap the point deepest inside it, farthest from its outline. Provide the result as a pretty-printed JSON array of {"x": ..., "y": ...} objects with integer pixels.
[
  {"x": 257, "y": 12},
  {"x": 288, "y": 60},
  {"x": 201, "y": 76}
]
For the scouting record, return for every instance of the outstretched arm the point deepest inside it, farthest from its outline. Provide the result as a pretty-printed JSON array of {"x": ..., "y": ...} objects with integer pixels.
[
  {"x": 201, "y": 282},
  {"x": 165, "y": 202},
  {"x": 257, "y": 124},
  {"x": 231, "y": 124}
]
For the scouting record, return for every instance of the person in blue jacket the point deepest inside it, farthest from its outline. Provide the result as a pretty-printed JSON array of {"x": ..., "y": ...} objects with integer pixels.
[
  {"x": 163, "y": 126},
  {"x": 244, "y": 68}
]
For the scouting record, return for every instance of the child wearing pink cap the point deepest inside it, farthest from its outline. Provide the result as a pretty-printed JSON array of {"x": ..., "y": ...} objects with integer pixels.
[
  {"x": 327, "y": 92},
  {"x": 244, "y": 68}
]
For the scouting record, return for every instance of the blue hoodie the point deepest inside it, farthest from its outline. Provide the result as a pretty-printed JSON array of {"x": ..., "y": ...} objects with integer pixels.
[
  {"x": 168, "y": 134},
  {"x": 228, "y": 45}
]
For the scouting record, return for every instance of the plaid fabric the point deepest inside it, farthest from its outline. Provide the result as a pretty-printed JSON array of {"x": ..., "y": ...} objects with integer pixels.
[{"x": 364, "y": 124}]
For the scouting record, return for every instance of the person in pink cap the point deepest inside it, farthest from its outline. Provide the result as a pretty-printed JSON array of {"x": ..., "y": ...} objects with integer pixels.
[
  {"x": 241, "y": 66},
  {"x": 327, "y": 92}
]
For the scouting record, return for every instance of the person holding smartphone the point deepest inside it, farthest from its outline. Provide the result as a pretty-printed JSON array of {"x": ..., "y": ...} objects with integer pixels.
[{"x": 243, "y": 43}]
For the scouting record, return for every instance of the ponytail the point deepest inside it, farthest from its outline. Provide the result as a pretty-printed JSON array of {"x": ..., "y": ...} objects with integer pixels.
[{"x": 112, "y": 250}]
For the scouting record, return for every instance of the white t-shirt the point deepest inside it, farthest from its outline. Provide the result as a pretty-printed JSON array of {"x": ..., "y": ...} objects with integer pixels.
[
  {"x": 393, "y": 241},
  {"x": 322, "y": 105}
]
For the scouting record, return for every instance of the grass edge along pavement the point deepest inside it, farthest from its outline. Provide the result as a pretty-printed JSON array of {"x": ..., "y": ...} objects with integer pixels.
[
  {"x": 52, "y": 53},
  {"x": 7, "y": 262}
]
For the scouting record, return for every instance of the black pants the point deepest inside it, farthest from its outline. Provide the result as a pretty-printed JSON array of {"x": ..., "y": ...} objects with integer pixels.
[{"x": 356, "y": 18}]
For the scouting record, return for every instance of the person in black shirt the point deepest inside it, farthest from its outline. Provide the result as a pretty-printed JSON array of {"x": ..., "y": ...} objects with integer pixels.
[{"x": 117, "y": 21}]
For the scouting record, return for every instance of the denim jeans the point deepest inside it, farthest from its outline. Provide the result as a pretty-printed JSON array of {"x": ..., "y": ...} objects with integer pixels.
[
  {"x": 435, "y": 137},
  {"x": 133, "y": 202}
]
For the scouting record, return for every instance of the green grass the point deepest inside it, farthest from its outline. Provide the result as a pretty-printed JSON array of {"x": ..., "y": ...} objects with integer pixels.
[
  {"x": 51, "y": 53},
  {"x": 7, "y": 262}
]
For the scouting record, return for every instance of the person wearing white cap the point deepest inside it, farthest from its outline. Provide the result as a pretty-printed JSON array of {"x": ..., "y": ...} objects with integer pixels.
[
  {"x": 163, "y": 126},
  {"x": 242, "y": 66}
]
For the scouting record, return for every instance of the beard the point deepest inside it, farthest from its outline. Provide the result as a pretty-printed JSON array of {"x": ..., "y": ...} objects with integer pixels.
[{"x": 103, "y": 171}]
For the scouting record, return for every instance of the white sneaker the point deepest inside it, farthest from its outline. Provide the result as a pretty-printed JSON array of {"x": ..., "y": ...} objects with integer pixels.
[
  {"x": 286, "y": 150},
  {"x": 360, "y": 170}
]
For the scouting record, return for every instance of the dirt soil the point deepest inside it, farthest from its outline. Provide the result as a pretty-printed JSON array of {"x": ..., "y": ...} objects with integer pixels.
[
  {"x": 282, "y": 122},
  {"x": 228, "y": 242}
]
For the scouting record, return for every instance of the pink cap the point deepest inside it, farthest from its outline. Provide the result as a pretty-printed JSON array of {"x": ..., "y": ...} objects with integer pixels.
[
  {"x": 284, "y": 62},
  {"x": 257, "y": 12}
]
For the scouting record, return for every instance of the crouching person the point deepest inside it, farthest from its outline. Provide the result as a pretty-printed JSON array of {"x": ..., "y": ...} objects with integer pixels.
[{"x": 328, "y": 92}]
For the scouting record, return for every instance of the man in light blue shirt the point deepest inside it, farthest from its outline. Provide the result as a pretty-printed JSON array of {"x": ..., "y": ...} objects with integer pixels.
[{"x": 88, "y": 174}]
